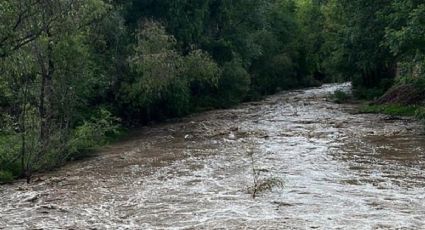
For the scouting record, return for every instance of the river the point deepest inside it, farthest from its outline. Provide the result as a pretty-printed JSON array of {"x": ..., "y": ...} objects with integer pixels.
[{"x": 338, "y": 170}]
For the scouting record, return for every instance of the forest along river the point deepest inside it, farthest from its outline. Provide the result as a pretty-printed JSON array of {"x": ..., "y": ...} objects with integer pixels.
[{"x": 340, "y": 170}]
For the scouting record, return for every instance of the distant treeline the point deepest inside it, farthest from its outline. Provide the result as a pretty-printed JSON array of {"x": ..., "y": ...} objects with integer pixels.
[{"x": 72, "y": 72}]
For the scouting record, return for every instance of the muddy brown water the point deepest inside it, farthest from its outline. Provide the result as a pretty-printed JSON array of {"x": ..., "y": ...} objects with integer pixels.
[{"x": 341, "y": 170}]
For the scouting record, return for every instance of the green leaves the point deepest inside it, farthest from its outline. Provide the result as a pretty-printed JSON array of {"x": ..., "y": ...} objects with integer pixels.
[
  {"x": 47, "y": 74},
  {"x": 23, "y": 22},
  {"x": 155, "y": 64},
  {"x": 92, "y": 133},
  {"x": 161, "y": 73},
  {"x": 405, "y": 35},
  {"x": 199, "y": 67}
]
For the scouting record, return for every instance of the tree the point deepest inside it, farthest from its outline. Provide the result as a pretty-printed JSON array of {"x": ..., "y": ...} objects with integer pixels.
[
  {"x": 356, "y": 44},
  {"x": 48, "y": 40},
  {"x": 405, "y": 37},
  {"x": 163, "y": 80}
]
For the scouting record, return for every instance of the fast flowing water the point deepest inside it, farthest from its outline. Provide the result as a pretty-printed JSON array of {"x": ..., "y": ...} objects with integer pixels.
[{"x": 340, "y": 170}]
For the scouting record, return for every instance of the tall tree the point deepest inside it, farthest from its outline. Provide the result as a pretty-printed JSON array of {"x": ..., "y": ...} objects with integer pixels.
[{"x": 48, "y": 38}]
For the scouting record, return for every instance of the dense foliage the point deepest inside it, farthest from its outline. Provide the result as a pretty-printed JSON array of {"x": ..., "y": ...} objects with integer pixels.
[
  {"x": 73, "y": 71},
  {"x": 376, "y": 43}
]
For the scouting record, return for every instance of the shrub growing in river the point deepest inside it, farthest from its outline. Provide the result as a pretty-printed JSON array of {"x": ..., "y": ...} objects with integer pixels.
[
  {"x": 261, "y": 184},
  {"x": 340, "y": 96}
]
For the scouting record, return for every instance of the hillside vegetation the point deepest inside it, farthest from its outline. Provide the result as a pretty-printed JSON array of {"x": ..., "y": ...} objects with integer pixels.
[{"x": 73, "y": 73}]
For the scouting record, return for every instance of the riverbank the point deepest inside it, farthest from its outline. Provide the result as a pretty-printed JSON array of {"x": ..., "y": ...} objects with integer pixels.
[
  {"x": 401, "y": 100},
  {"x": 395, "y": 110},
  {"x": 339, "y": 169}
]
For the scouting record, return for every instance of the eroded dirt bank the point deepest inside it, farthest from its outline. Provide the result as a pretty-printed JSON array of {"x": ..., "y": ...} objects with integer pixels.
[{"x": 340, "y": 169}]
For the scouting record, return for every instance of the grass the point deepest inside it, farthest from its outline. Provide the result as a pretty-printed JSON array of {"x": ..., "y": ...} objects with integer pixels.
[
  {"x": 415, "y": 111},
  {"x": 394, "y": 110}
]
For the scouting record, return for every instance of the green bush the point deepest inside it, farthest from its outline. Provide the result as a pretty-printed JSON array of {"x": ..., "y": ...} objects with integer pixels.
[
  {"x": 176, "y": 100},
  {"x": 233, "y": 85},
  {"x": 82, "y": 140},
  {"x": 202, "y": 75},
  {"x": 340, "y": 96},
  {"x": 6, "y": 177},
  {"x": 92, "y": 134},
  {"x": 420, "y": 113},
  {"x": 9, "y": 150},
  {"x": 368, "y": 94},
  {"x": 361, "y": 91}
]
